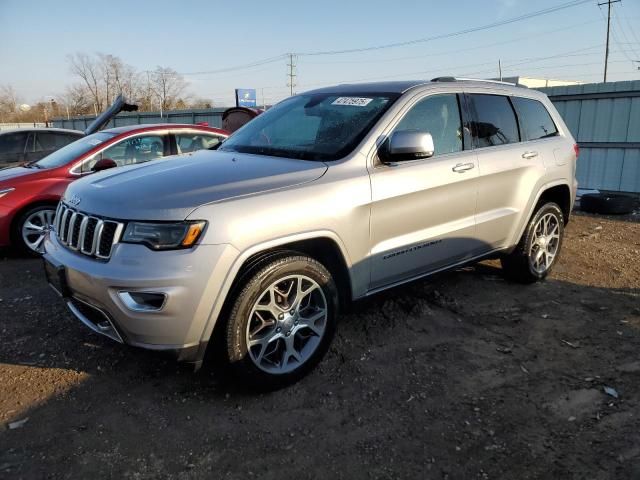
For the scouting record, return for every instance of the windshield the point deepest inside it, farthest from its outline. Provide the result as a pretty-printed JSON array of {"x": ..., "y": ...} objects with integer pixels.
[
  {"x": 311, "y": 127},
  {"x": 73, "y": 150}
]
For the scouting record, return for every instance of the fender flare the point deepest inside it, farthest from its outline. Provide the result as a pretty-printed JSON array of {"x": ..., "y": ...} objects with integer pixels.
[
  {"x": 223, "y": 293},
  {"x": 532, "y": 206}
]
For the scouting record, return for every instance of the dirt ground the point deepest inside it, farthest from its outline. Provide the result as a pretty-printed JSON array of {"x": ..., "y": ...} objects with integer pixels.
[{"x": 461, "y": 376}]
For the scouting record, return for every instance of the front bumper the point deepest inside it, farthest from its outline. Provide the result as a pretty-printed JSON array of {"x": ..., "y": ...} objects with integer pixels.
[{"x": 190, "y": 279}]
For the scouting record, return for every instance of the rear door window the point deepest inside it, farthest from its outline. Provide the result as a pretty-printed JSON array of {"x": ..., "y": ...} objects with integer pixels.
[
  {"x": 13, "y": 143},
  {"x": 191, "y": 141},
  {"x": 46, "y": 141},
  {"x": 495, "y": 122},
  {"x": 535, "y": 121}
]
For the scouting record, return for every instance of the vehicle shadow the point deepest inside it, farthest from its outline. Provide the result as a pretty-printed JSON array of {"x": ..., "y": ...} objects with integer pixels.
[{"x": 464, "y": 365}]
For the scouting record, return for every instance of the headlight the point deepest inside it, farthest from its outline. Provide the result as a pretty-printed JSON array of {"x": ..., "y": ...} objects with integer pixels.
[
  {"x": 4, "y": 191},
  {"x": 164, "y": 236}
]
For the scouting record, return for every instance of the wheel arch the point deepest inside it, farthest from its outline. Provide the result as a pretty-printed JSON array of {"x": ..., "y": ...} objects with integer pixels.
[
  {"x": 53, "y": 202},
  {"x": 560, "y": 194},
  {"x": 325, "y": 247}
]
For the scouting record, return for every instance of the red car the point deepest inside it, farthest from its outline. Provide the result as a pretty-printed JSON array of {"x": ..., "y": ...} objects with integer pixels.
[{"x": 29, "y": 194}]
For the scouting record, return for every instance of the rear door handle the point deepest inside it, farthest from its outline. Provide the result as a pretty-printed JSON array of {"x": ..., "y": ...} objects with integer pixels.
[
  {"x": 529, "y": 155},
  {"x": 463, "y": 167}
]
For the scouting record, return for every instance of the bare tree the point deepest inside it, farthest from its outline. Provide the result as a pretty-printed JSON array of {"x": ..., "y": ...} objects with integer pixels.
[
  {"x": 8, "y": 100},
  {"x": 89, "y": 71},
  {"x": 76, "y": 100},
  {"x": 167, "y": 86},
  {"x": 201, "y": 103}
]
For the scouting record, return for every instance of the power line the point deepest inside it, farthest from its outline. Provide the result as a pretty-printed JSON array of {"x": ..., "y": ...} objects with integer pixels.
[
  {"x": 465, "y": 49},
  {"x": 631, "y": 29},
  {"x": 452, "y": 34},
  {"x": 624, "y": 37},
  {"x": 459, "y": 67},
  {"x": 257, "y": 63}
]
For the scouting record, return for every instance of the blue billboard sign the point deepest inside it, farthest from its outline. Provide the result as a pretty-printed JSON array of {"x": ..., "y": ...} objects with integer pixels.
[{"x": 246, "y": 97}]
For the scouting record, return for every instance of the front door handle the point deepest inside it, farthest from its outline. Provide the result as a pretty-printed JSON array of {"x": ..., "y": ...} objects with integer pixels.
[
  {"x": 463, "y": 167},
  {"x": 529, "y": 155}
]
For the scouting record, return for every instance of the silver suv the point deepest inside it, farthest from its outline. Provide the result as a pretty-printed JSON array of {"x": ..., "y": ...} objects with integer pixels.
[{"x": 329, "y": 196}]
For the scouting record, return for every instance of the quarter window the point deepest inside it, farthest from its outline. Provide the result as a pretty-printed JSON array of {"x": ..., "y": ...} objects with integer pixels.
[
  {"x": 495, "y": 121},
  {"x": 438, "y": 115},
  {"x": 535, "y": 121}
]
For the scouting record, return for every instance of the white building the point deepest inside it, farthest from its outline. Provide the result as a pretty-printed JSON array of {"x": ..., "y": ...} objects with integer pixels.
[{"x": 538, "y": 82}]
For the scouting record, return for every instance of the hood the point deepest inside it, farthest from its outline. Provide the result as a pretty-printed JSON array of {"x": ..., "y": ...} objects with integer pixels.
[
  {"x": 170, "y": 189},
  {"x": 11, "y": 173}
]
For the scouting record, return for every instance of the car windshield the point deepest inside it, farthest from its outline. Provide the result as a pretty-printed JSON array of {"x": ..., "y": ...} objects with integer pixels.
[
  {"x": 325, "y": 126},
  {"x": 73, "y": 150}
]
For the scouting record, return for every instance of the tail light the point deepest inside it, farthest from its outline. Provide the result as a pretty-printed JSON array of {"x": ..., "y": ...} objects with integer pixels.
[{"x": 576, "y": 149}]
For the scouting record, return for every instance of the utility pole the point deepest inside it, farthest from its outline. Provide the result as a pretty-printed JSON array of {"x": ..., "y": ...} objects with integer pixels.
[
  {"x": 606, "y": 52},
  {"x": 500, "y": 69},
  {"x": 291, "y": 74}
]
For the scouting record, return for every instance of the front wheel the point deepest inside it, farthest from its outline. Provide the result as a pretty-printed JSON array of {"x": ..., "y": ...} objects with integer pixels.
[
  {"x": 539, "y": 247},
  {"x": 282, "y": 321},
  {"x": 31, "y": 228}
]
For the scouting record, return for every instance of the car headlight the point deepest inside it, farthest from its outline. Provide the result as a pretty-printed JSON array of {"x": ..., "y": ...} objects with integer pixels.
[
  {"x": 4, "y": 191},
  {"x": 164, "y": 236}
]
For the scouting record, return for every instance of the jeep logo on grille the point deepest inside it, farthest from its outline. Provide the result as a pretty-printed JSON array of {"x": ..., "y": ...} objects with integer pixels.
[{"x": 75, "y": 200}]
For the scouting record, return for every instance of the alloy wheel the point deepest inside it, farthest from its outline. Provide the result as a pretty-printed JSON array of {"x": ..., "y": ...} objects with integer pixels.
[
  {"x": 35, "y": 228},
  {"x": 286, "y": 324},
  {"x": 545, "y": 243}
]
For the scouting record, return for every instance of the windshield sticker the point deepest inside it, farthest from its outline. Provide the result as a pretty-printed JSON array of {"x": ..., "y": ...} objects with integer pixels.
[
  {"x": 94, "y": 141},
  {"x": 352, "y": 101}
]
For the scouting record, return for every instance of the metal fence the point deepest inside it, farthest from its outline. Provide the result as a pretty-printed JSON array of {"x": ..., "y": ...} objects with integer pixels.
[
  {"x": 212, "y": 116},
  {"x": 604, "y": 118}
]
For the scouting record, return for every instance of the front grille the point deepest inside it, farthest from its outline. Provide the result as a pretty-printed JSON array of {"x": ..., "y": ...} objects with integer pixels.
[{"x": 89, "y": 235}]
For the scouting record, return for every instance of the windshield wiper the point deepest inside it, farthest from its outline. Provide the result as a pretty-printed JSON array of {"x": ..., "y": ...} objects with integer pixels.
[{"x": 33, "y": 164}]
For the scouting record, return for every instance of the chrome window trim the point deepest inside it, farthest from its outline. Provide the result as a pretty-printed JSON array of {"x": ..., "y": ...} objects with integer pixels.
[{"x": 78, "y": 165}]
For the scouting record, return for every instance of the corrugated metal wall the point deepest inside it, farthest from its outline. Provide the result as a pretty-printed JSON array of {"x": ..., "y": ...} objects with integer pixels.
[
  {"x": 605, "y": 120},
  {"x": 213, "y": 116}
]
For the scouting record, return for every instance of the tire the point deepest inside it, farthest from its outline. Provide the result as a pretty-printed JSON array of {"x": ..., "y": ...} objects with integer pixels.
[
  {"x": 30, "y": 240},
  {"x": 287, "y": 306},
  {"x": 607, "y": 204},
  {"x": 525, "y": 264}
]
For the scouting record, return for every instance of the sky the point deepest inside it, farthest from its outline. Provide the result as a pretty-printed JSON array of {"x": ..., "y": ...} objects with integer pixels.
[{"x": 193, "y": 36}]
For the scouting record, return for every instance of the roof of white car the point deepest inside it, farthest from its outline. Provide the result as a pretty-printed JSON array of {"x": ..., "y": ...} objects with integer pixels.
[{"x": 42, "y": 129}]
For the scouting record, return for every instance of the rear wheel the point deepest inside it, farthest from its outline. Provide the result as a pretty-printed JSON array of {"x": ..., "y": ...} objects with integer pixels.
[
  {"x": 31, "y": 228},
  {"x": 539, "y": 247},
  {"x": 282, "y": 321}
]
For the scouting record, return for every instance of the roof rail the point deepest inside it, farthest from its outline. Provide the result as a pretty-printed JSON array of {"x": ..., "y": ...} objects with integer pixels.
[{"x": 464, "y": 79}]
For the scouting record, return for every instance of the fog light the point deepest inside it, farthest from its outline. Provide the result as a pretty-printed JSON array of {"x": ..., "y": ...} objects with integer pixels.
[{"x": 143, "y": 301}]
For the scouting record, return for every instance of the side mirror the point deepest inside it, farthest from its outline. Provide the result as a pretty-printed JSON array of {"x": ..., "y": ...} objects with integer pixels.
[
  {"x": 409, "y": 145},
  {"x": 104, "y": 164}
]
